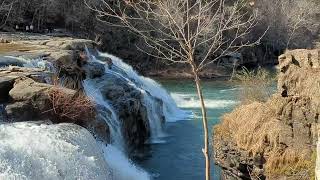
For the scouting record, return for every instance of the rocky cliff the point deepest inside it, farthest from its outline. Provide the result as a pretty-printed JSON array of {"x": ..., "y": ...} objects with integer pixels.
[{"x": 276, "y": 139}]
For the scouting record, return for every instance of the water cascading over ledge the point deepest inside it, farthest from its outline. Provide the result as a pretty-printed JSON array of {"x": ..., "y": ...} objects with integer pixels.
[
  {"x": 131, "y": 109},
  {"x": 140, "y": 105}
]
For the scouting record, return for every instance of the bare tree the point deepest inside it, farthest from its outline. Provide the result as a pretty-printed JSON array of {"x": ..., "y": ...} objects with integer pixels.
[
  {"x": 291, "y": 23},
  {"x": 299, "y": 15},
  {"x": 5, "y": 11},
  {"x": 195, "y": 32}
]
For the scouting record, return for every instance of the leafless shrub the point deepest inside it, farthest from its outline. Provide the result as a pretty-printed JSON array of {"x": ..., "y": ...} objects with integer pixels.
[
  {"x": 68, "y": 107},
  {"x": 255, "y": 84}
]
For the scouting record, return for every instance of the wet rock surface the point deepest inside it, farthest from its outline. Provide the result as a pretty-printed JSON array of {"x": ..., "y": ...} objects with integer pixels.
[
  {"x": 276, "y": 139},
  {"x": 127, "y": 102}
]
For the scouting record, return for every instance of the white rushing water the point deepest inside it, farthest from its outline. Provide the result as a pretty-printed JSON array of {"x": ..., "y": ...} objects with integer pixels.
[
  {"x": 114, "y": 153},
  {"x": 121, "y": 166},
  {"x": 63, "y": 151},
  {"x": 192, "y": 101},
  {"x": 151, "y": 91},
  {"x": 106, "y": 112},
  {"x": 170, "y": 109}
]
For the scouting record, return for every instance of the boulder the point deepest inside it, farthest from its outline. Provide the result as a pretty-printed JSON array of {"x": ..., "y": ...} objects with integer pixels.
[
  {"x": 10, "y": 74},
  {"x": 62, "y": 57},
  {"x": 31, "y": 98},
  {"x": 94, "y": 69}
]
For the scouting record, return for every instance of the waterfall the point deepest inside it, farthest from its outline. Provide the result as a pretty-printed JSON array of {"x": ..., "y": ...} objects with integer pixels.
[
  {"x": 106, "y": 112},
  {"x": 121, "y": 167},
  {"x": 151, "y": 91},
  {"x": 114, "y": 153},
  {"x": 154, "y": 116},
  {"x": 170, "y": 110},
  {"x": 31, "y": 150}
]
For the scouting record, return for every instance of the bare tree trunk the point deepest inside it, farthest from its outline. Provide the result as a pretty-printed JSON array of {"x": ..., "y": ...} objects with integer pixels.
[{"x": 205, "y": 150}]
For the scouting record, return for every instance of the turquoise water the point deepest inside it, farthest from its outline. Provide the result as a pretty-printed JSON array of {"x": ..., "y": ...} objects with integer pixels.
[{"x": 181, "y": 158}]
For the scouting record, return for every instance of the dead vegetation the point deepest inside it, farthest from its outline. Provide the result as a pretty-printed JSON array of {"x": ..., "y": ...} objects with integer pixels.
[
  {"x": 256, "y": 129},
  {"x": 70, "y": 108},
  {"x": 256, "y": 85},
  {"x": 251, "y": 135},
  {"x": 296, "y": 163}
]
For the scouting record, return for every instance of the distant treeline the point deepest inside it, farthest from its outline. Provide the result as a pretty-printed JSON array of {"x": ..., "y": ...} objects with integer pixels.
[{"x": 290, "y": 24}]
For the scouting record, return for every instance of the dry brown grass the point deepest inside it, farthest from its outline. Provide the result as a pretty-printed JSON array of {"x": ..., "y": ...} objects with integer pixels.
[
  {"x": 291, "y": 162},
  {"x": 254, "y": 128},
  {"x": 67, "y": 107},
  {"x": 250, "y": 131},
  {"x": 256, "y": 85}
]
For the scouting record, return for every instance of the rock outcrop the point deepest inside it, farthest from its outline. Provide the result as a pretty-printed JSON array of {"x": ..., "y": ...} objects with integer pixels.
[
  {"x": 127, "y": 102},
  {"x": 276, "y": 139}
]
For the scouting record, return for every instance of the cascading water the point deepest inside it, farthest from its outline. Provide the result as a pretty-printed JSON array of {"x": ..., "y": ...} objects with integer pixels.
[
  {"x": 170, "y": 109},
  {"x": 154, "y": 116},
  {"x": 157, "y": 101},
  {"x": 106, "y": 112},
  {"x": 151, "y": 92},
  {"x": 31, "y": 150}
]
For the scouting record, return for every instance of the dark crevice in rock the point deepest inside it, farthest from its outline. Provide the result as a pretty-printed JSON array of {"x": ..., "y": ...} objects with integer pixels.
[
  {"x": 295, "y": 62},
  {"x": 310, "y": 60}
]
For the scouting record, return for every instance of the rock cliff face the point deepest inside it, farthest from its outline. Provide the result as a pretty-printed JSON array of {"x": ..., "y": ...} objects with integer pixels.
[{"x": 276, "y": 139}]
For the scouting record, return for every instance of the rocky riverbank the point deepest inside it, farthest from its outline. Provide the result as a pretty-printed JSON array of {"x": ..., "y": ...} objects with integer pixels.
[{"x": 276, "y": 139}]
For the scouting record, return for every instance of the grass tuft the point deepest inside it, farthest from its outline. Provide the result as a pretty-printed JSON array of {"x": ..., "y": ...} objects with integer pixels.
[{"x": 256, "y": 85}]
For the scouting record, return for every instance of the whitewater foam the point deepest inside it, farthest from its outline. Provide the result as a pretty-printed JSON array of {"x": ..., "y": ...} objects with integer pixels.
[
  {"x": 121, "y": 166},
  {"x": 191, "y": 101},
  {"x": 63, "y": 151},
  {"x": 231, "y": 89}
]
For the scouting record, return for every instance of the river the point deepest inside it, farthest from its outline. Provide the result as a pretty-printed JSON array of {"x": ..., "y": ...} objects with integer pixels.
[{"x": 180, "y": 157}]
